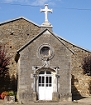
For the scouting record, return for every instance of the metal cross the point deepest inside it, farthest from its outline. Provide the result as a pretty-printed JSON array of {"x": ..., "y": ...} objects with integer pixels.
[{"x": 46, "y": 10}]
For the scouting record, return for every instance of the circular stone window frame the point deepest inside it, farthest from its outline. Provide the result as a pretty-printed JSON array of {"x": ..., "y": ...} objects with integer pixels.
[{"x": 45, "y": 58}]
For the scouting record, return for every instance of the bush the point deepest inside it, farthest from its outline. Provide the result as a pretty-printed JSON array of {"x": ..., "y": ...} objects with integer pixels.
[
  {"x": 11, "y": 93},
  {"x": 7, "y": 93}
]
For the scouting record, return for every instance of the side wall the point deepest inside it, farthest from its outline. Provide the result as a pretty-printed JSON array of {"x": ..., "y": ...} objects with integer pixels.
[
  {"x": 80, "y": 82},
  {"x": 14, "y": 35}
]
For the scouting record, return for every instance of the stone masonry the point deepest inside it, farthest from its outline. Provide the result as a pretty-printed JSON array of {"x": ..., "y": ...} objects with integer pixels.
[
  {"x": 15, "y": 33},
  {"x": 80, "y": 82},
  {"x": 29, "y": 57}
]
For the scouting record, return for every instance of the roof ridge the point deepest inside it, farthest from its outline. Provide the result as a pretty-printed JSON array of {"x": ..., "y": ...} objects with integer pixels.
[
  {"x": 72, "y": 43},
  {"x": 38, "y": 36},
  {"x": 21, "y": 17}
]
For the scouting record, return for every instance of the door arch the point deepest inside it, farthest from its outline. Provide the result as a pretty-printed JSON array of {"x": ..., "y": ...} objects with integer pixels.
[{"x": 45, "y": 87}]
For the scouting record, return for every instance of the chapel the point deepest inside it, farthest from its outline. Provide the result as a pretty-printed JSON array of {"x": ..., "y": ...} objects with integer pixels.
[{"x": 47, "y": 67}]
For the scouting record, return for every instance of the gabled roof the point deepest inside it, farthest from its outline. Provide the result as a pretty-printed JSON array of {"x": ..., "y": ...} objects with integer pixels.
[
  {"x": 11, "y": 20},
  {"x": 40, "y": 35},
  {"x": 73, "y": 44}
]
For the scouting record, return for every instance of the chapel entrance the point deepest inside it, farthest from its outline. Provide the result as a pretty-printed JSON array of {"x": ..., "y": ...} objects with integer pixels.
[{"x": 45, "y": 85}]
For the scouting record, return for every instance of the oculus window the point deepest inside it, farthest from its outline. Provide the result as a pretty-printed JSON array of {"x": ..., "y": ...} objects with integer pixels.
[{"x": 45, "y": 52}]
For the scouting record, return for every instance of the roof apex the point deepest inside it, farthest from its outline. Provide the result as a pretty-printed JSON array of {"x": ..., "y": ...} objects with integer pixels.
[
  {"x": 5, "y": 22},
  {"x": 38, "y": 36}
]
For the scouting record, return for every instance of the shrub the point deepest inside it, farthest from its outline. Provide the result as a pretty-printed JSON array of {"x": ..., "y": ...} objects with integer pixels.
[{"x": 11, "y": 93}]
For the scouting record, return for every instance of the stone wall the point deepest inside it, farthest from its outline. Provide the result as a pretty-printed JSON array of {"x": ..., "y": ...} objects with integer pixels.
[
  {"x": 30, "y": 57},
  {"x": 81, "y": 83},
  {"x": 14, "y": 34}
]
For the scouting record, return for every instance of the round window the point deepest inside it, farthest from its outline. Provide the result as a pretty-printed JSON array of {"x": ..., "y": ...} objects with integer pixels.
[{"x": 45, "y": 52}]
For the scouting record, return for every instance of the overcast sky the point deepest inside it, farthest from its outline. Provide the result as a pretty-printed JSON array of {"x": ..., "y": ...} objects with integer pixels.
[{"x": 71, "y": 19}]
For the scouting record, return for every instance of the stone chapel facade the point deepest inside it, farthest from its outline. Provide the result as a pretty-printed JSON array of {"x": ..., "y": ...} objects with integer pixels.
[
  {"x": 43, "y": 72},
  {"x": 48, "y": 67}
]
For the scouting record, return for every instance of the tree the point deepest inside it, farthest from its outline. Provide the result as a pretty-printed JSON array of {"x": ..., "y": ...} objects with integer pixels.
[
  {"x": 4, "y": 70},
  {"x": 86, "y": 65}
]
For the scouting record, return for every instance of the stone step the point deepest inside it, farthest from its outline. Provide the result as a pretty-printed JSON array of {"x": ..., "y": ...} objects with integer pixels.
[{"x": 47, "y": 103}]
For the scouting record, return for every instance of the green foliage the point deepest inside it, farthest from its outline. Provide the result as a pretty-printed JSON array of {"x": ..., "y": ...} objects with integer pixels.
[
  {"x": 7, "y": 93},
  {"x": 11, "y": 93}
]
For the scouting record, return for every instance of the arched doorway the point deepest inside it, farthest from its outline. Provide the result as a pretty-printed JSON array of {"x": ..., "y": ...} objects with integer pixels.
[{"x": 45, "y": 87}]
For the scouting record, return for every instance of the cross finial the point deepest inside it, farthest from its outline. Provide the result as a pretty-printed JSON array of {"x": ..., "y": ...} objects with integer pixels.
[{"x": 46, "y": 10}]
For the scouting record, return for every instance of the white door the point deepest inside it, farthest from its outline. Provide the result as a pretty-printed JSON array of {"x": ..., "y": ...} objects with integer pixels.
[{"x": 45, "y": 85}]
